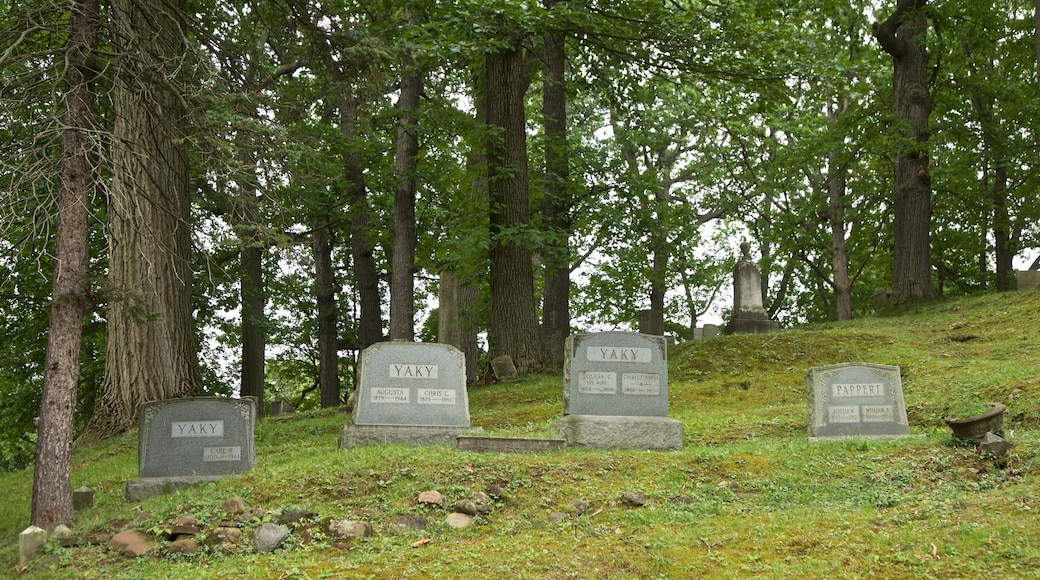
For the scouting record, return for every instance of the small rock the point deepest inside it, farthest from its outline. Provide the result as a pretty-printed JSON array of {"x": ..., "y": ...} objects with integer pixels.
[
  {"x": 228, "y": 537},
  {"x": 458, "y": 520},
  {"x": 682, "y": 500},
  {"x": 183, "y": 546},
  {"x": 186, "y": 521},
  {"x": 483, "y": 501},
  {"x": 269, "y": 537},
  {"x": 408, "y": 523},
  {"x": 366, "y": 513},
  {"x": 431, "y": 498},
  {"x": 633, "y": 499},
  {"x": 496, "y": 491},
  {"x": 346, "y": 529},
  {"x": 466, "y": 506},
  {"x": 234, "y": 505},
  {"x": 557, "y": 517},
  {"x": 294, "y": 516},
  {"x": 61, "y": 531},
  {"x": 178, "y": 530},
  {"x": 994, "y": 445},
  {"x": 579, "y": 506},
  {"x": 132, "y": 543}
]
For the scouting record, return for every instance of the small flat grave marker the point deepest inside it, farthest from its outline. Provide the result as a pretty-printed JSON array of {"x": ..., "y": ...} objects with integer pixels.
[
  {"x": 197, "y": 436},
  {"x": 616, "y": 373},
  {"x": 855, "y": 400}
]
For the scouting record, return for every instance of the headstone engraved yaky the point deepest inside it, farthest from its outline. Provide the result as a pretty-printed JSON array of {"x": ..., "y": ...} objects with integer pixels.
[
  {"x": 616, "y": 392},
  {"x": 186, "y": 441},
  {"x": 855, "y": 400},
  {"x": 409, "y": 393}
]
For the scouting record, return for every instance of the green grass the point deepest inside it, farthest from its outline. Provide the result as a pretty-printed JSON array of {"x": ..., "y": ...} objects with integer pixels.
[{"x": 748, "y": 494}]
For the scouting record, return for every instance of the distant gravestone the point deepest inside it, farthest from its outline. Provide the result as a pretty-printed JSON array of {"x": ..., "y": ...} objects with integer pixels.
[
  {"x": 651, "y": 322},
  {"x": 749, "y": 315},
  {"x": 184, "y": 441},
  {"x": 1027, "y": 279},
  {"x": 280, "y": 406},
  {"x": 855, "y": 400},
  {"x": 411, "y": 393},
  {"x": 616, "y": 392}
]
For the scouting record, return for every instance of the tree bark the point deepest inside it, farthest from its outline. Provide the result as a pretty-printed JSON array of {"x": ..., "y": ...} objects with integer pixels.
[
  {"x": 328, "y": 335},
  {"x": 903, "y": 35},
  {"x": 254, "y": 335},
  {"x": 836, "y": 187},
  {"x": 151, "y": 351},
  {"x": 513, "y": 325},
  {"x": 52, "y": 495},
  {"x": 556, "y": 315},
  {"x": 402, "y": 282},
  {"x": 361, "y": 246}
]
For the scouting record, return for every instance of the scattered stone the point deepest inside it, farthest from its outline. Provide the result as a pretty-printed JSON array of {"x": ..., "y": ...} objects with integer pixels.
[
  {"x": 61, "y": 531},
  {"x": 431, "y": 498},
  {"x": 994, "y": 445},
  {"x": 682, "y": 500},
  {"x": 346, "y": 529},
  {"x": 342, "y": 545},
  {"x": 466, "y": 506},
  {"x": 504, "y": 368},
  {"x": 132, "y": 543},
  {"x": 496, "y": 492},
  {"x": 295, "y": 516},
  {"x": 29, "y": 541},
  {"x": 633, "y": 499},
  {"x": 234, "y": 505},
  {"x": 188, "y": 520},
  {"x": 579, "y": 506},
  {"x": 228, "y": 537},
  {"x": 459, "y": 521},
  {"x": 408, "y": 523},
  {"x": 183, "y": 546},
  {"x": 269, "y": 537},
  {"x": 557, "y": 517},
  {"x": 82, "y": 498}
]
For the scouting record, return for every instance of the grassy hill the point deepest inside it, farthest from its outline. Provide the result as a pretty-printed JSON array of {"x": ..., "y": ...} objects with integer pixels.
[{"x": 748, "y": 494}]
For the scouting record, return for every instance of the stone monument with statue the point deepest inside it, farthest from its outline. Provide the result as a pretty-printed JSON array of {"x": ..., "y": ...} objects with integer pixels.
[{"x": 749, "y": 315}]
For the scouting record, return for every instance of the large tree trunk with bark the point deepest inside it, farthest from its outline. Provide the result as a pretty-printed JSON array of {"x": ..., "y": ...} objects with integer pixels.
[
  {"x": 842, "y": 285},
  {"x": 151, "y": 352},
  {"x": 556, "y": 315},
  {"x": 402, "y": 282},
  {"x": 254, "y": 334},
  {"x": 361, "y": 247},
  {"x": 904, "y": 36},
  {"x": 513, "y": 325},
  {"x": 52, "y": 495},
  {"x": 328, "y": 335}
]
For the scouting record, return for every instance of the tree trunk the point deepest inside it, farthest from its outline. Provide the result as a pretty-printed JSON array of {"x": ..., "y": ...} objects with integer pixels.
[
  {"x": 361, "y": 247},
  {"x": 52, "y": 495},
  {"x": 402, "y": 283},
  {"x": 513, "y": 327},
  {"x": 328, "y": 335},
  {"x": 151, "y": 353},
  {"x": 836, "y": 184},
  {"x": 903, "y": 35},
  {"x": 556, "y": 316},
  {"x": 254, "y": 336}
]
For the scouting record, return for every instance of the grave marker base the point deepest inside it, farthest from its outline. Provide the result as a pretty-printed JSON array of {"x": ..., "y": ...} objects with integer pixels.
[
  {"x": 145, "y": 487},
  {"x": 509, "y": 444},
  {"x": 620, "y": 432},
  {"x": 357, "y": 435}
]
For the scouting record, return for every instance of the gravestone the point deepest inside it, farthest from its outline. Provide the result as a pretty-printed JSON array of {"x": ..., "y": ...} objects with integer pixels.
[
  {"x": 1027, "y": 279},
  {"x": 749, "y": 316},
  {"x": 616, "y": 392},
  {"x": 855, "y": 400},
  {"x": 410, "y": 393},
  {"x": 186, "y": 441},
  {"x": 651, "y": 322}
]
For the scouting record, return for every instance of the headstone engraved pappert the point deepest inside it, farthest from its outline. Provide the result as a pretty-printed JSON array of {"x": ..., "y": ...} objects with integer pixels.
[
  {"x": 200, "y": 436},
  {"x": 616, "y": 373},
  {"x": 412, "y": 384},
  {"x": 855, "y": 400}
]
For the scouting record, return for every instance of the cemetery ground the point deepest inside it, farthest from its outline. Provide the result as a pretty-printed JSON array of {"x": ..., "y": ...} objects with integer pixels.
[{"x": 747, "y": 495}]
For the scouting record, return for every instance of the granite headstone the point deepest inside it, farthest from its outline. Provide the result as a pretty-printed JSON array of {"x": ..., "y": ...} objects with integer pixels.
[
  {"x": 411, "y": 393},
  {"x": 855, "y": 400}
]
